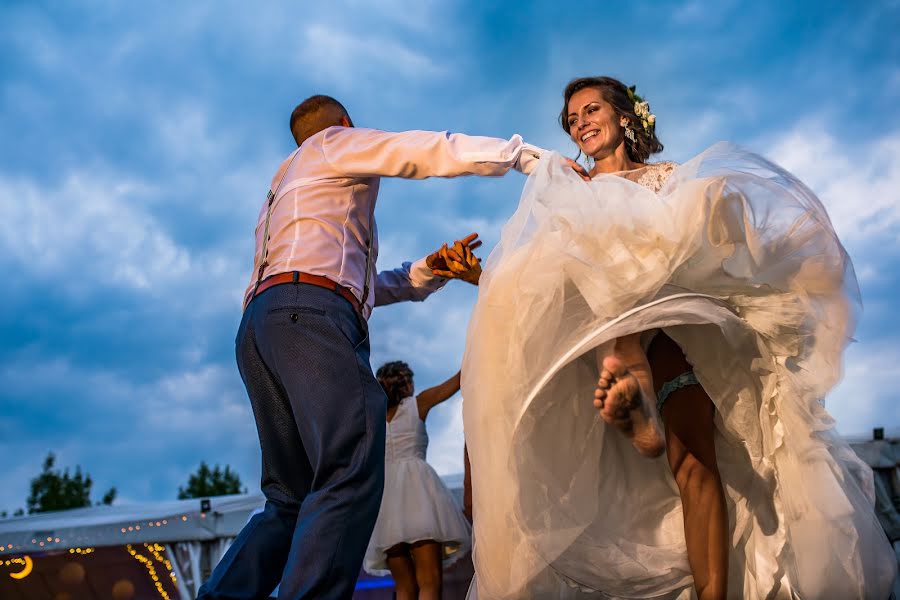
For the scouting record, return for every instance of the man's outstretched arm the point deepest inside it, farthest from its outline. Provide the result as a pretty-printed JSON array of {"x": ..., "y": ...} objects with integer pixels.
[
  {"x": 416, "y": 281},
  {"x": 359, "y": 152}
]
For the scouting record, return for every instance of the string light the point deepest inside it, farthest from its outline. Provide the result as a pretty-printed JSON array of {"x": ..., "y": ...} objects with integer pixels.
[
  {"x": 124, "y": 529},
  {"x": 151, "y": 570},
  {"x": 156, "y": 549}
]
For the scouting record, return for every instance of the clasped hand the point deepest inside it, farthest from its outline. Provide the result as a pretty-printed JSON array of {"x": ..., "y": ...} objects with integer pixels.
[{"x": 457, "y": 261}]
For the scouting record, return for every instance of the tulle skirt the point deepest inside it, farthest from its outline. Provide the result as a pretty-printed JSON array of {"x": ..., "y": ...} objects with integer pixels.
[
  {"x": 736, "y": 261},
  {"x": 416, "y": 506}
]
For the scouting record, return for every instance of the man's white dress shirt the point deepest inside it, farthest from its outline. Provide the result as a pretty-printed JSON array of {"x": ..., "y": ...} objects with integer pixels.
[{"x": 322, "y": 220}]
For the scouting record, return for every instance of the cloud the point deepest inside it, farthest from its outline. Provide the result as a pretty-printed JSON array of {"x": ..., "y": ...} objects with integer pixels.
[
  {"x": 94, "y": 232},
  {"x": 700, "y": 12},
  {"x": 860, "y": 186},
  {"x": 446, "y": 438},
  {"x": 347, "y": 57},
  {"x": 162, "y": 427},
  {"x": 867, "y": 396},
  {"x": 128, "y": 255},
  {"x": 89, "y": 226},
  {"x": 187, "y": 136},
  {"x": 413, "y": 14}
]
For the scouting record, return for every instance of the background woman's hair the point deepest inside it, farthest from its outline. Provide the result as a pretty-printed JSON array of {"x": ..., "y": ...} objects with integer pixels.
[
  {"x": 393, "y": 377},
  {"x": 614, "y": 91}
]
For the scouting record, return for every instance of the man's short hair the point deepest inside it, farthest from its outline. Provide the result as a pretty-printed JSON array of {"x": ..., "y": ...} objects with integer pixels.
[{"x": 315, "y": 114}]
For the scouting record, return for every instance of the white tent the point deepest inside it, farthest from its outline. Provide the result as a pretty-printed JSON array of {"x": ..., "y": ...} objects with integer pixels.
[
  {"x": 884, "y": 458},
  {"x": 168, "y": 547},
  {"x": 193, "y": 538}
]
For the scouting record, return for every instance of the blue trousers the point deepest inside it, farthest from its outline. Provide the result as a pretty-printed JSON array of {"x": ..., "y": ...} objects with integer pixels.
[{"x": 303, "y": 354}]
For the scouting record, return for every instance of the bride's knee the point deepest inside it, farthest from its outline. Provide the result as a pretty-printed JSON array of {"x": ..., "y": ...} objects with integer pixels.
[{"x": 693, "y": 475}]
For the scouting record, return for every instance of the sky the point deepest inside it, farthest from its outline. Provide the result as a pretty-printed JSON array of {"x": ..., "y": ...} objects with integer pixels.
[{"x": 139, "y": 140}]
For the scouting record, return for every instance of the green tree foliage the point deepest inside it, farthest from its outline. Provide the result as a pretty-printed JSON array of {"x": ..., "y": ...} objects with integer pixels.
[
  {"x": 58, "y": 490},
  {"x": 208, "y": 482}
]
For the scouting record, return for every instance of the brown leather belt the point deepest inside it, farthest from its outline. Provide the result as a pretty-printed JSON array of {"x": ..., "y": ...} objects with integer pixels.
[{"x": 317, "y": 280}]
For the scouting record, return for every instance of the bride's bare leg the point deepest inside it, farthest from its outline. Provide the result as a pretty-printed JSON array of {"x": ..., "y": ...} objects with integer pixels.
[
  {"x": 624, "y": 396},
  {"x": 688, "y": 419}
]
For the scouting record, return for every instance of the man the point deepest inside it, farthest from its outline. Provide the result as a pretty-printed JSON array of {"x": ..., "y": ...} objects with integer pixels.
[{"x": 303, "y": 348}]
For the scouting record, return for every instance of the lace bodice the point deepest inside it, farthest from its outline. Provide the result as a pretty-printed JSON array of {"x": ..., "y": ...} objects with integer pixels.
[
  {"x": 654, "y": 176},
  {"x": 406, "y": 435}
]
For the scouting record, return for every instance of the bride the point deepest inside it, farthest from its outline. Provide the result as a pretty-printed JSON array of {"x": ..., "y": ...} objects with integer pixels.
[{"x": 724, "y": 272}]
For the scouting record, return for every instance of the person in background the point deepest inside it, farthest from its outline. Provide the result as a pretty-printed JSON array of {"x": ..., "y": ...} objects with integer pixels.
[{"x": 420, "y": 528}]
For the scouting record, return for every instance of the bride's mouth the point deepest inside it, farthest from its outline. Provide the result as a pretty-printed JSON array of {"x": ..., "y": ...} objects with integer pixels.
[{"x": 589, "y": 135}]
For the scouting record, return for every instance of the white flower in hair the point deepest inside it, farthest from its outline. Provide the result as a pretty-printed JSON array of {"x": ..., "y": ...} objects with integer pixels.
[{"x": 642, "y": 110}]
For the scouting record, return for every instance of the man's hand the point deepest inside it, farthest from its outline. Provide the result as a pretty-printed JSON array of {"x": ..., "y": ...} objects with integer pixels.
[
  {"x": 578, "y": 169},
  {"x": 457, "y": 262}
]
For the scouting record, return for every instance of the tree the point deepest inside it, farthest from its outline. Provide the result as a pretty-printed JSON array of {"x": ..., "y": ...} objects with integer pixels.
[
  {"x": 57, "y": 490},
  {"x": 208, "y": 482},
  {"x": 109, "y": 496}
]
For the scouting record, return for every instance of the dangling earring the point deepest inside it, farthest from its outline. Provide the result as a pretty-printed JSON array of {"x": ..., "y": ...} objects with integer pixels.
[{"x": 629, "y": 132}]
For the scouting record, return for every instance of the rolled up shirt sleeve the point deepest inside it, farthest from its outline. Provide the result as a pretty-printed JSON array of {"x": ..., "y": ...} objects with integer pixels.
[
  {"x": 412, "y": 281},
  {"x": 358, "y": 152}
]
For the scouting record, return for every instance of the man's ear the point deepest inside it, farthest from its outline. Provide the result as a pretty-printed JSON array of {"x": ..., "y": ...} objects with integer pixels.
[{"x": 345, "y": 121}]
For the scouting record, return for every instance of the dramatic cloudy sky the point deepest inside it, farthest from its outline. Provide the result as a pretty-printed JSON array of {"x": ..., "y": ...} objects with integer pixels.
[{"x": 138, "y": 141}]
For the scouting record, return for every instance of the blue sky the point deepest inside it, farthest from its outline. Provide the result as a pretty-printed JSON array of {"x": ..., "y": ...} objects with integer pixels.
[{"x": 139, "y": 139}]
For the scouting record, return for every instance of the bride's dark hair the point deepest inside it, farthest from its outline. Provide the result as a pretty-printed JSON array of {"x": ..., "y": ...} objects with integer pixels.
[
  {"x": 393, "y": 377},
  {"x": 614, "y": 91}
]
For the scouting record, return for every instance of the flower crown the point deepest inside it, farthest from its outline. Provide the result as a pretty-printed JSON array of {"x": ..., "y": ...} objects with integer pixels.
[{"x": 642, "y": 110}]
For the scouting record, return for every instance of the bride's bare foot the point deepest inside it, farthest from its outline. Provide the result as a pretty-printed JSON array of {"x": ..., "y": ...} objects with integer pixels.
[{"x": 619, "y": 399}]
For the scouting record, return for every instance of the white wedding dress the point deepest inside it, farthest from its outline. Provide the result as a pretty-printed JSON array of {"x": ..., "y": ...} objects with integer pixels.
[{"x": 737, "y": 261}]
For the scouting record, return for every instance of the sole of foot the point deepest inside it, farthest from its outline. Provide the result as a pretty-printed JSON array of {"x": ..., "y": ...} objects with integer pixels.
[{"x": 623, "y": 405}]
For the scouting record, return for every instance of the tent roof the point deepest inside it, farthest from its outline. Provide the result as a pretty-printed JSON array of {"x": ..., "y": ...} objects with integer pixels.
[
  {"x": 160, "y": 522},
  {"x": 878, "y": 454},
  {"x": 168, "y": 521}
]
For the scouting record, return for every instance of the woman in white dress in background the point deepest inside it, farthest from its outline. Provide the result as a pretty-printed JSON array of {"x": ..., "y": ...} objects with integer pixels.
[
  {"x": 727, "y": 273},
  {"x": 420, "y": 527}
]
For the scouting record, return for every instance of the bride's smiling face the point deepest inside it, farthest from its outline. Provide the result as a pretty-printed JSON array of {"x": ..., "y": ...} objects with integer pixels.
[{"x": 593, "y": 124}]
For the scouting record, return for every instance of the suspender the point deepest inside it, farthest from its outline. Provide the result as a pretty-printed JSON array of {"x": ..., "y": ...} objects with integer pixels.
[
  {"x": 365, "y": 295},
  {"x": 270, "y": 197}
]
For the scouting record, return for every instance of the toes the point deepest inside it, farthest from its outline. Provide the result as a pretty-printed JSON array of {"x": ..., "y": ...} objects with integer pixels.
[
  {"x": 614, "y": 367},
  {"x": 606, "y": 376}
]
